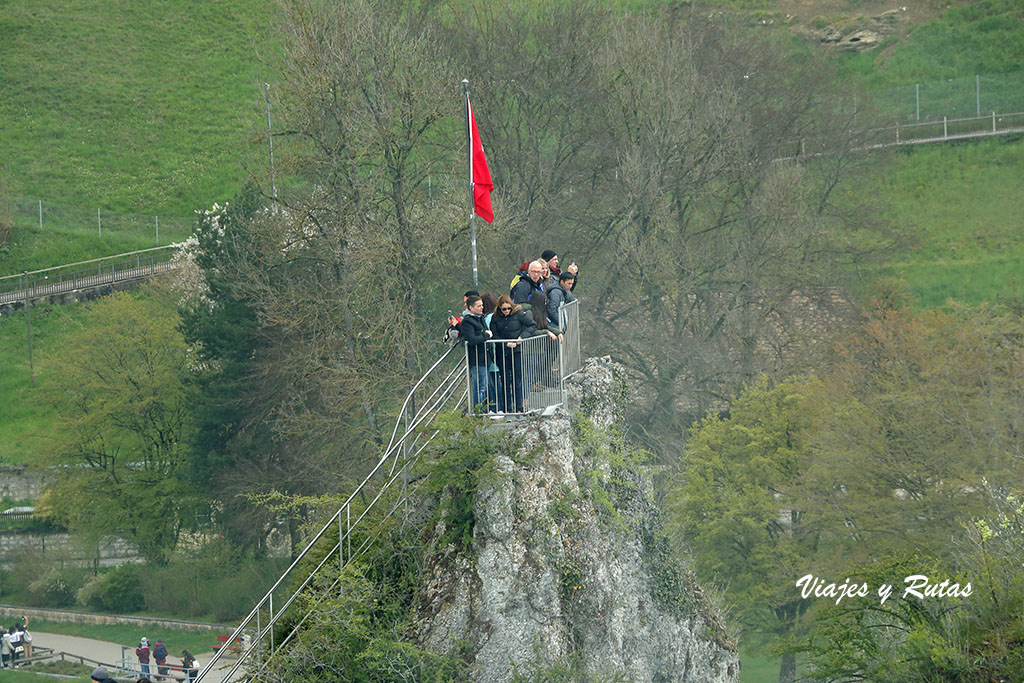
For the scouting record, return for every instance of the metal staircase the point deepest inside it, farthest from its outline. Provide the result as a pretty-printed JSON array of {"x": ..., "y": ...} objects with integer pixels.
[{"x": 442, "y": 387}]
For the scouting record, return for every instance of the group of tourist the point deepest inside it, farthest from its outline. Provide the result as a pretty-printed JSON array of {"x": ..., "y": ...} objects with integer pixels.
[
  {"x": 159, "y": 655},
  {"x": 499, "y": 374},
  {"x": 16, "y": 644}
]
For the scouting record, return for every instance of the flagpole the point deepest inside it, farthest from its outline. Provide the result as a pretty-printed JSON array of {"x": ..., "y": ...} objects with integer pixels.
[{"x": 472, "y": 199}]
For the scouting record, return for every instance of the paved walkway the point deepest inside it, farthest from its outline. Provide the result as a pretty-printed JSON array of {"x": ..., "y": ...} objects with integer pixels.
[{"x": 111, "y": 653}]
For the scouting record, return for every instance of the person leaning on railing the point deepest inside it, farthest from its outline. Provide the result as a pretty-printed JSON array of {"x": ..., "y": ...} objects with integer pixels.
[
  {"x": 538, "y": 367},
  {"x": 511, "y": 323},
  {"x": 559, "y": 294}
]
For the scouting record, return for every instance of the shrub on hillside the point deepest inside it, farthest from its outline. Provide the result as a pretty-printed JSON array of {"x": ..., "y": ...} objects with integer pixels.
[
  {"x": 55, "y": 588},
  {"x": 40, "y": 581},
  {"x": 218, "y": 581},
  {"x": 118, "y": 590}
]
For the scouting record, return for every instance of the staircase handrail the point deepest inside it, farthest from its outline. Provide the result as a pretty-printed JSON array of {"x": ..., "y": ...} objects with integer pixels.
[{"x": 440, "y": 397}]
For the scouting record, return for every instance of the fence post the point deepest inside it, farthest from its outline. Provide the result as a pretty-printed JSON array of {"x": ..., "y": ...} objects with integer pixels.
[
  {"x": 40, "y": 214},
  {"x": 977, "y": 92},
  {"x": 99, "y": 222},
  {"x": 157, "y": 230},
  {"x": 993, "y": 122},
  {"x": 28, "y": 325},
  {"x": 917, "y": 90},
  {"x": 897, "y": 132},
  {"x": 945, "y": 127}
]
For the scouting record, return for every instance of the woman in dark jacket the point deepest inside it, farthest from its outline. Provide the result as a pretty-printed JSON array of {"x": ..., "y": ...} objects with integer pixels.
[{"x": 511, "y": 324}]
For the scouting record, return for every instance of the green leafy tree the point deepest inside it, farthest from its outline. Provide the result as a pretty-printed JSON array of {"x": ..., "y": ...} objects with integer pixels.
[
  {"x": 919, "y": 409},
  {"x": 123, "y": 432},
  {"x": 738, "y": 508}
]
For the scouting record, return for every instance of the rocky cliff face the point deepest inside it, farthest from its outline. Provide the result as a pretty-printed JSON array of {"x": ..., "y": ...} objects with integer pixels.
[{"x": 567, "y": 568}]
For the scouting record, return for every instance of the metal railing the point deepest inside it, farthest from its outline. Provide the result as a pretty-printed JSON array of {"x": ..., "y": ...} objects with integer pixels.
[
  {"x": 86, "y": 274},
  {"x": 440, "y": 388},
  {"x": 526, "y": 375},
  {"x": 942, "y": 130}
]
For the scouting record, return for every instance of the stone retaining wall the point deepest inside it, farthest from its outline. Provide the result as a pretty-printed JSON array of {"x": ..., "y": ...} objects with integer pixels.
[
  {"x": 10, "y": 613},
  {"x": 59, "y": 545}
]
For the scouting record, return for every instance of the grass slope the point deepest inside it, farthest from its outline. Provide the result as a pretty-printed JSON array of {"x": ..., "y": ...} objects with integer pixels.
[
  {"x": 24, "y": 420},
  {"x": 134, "y": 107},
  {"x": 960, "y": 205}
]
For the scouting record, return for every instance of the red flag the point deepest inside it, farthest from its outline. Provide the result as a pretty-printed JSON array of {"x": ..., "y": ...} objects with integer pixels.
[{"x": 482, "y": 184}]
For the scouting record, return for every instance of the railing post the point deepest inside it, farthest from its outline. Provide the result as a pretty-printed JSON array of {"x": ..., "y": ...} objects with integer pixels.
[
  {"x": 897, "y": 132},
  {"x": 270, "y": 624},
  {"x": 993, "y": 122},
  {"x": 348, "y": 532},
  {"x": 561, "y": 360},
  {"x": 341, "y": 545},
  {"x": 945, "y": 127}
]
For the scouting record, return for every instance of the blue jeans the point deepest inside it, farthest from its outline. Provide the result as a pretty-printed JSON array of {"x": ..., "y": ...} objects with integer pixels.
[{"x": 478, "y": 385}]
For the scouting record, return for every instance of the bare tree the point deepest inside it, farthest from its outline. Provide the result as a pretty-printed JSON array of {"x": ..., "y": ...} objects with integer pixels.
[{"x": 710, "y": 248}]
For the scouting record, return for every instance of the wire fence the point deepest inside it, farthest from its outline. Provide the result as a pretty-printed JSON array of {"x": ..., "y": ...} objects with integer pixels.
[
  {"x": 43, "y": 215},
  {"x": 955, "y": 98}
]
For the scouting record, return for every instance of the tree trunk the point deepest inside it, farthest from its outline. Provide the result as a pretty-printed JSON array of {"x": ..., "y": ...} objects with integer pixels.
[{"x": 787, "y": 671}]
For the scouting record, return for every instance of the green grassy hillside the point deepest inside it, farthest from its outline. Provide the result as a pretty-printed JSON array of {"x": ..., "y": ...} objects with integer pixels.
[
  {"x": 24, "y": 419},
  {"x": 959, "y": 206},
  {"x": 134, "y": 107}
]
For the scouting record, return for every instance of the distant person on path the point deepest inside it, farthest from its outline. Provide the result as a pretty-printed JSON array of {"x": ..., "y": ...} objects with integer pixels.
[
  {"x": 189, "y": 666},
  {"x": 26, "y": 641},
  {"x": 142, "y": 652},
  {"x": 160, "y": 657},
  {"x": 100, "y": 674},
  {"x": 16, "y": 647},
  {"x": 6, "y": 650}
]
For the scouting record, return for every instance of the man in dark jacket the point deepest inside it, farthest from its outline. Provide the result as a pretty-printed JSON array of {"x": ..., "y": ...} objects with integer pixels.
[
  {"x": 558, "y": 295},
  {"x": 526, "y": 286},
  {"x": 475, "y": 333}
]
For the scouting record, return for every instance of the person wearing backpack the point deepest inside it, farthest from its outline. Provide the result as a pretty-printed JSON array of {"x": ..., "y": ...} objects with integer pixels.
[{"x": 160, "y": 657}]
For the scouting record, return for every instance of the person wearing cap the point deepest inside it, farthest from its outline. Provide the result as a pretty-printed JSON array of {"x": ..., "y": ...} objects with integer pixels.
[
  {"x": 142, "y": 652},
  {"x": 100, "y": 674},
  {"x": 550, "y": 260}
]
